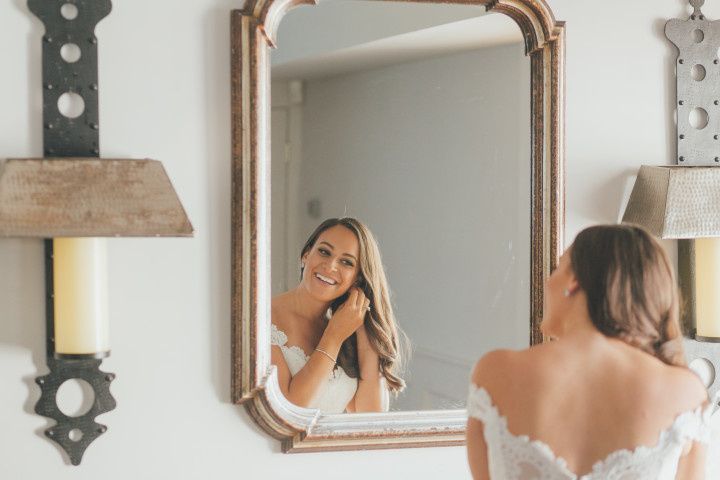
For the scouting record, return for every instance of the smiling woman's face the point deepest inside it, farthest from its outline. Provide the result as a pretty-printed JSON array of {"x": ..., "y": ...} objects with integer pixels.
[{"x": 331, "y": 265}]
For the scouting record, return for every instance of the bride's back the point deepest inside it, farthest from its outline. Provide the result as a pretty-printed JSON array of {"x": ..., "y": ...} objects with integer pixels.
[
  {"x": 588, "y": 397},
  {"x": 614, "y": 380}
]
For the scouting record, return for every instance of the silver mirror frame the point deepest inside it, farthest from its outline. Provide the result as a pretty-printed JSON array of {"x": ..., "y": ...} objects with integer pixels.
[{"x": 254, "y": 378}]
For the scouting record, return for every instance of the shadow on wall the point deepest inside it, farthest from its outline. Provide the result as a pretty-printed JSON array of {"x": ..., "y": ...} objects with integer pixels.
[
  {"x": 216, "y": 67},
  {"x": 218, "y": 162},
  {"x": 613, "y": 192},
  {"x": 22, "y": 310}
]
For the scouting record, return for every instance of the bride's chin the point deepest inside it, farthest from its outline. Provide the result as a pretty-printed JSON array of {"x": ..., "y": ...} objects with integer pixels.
[{"x": 322, "y": 296}]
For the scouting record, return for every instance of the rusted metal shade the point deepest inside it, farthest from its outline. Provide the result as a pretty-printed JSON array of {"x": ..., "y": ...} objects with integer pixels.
[
  {"x": 676, "y": 201},
  {"x": 89, "y": 197}
]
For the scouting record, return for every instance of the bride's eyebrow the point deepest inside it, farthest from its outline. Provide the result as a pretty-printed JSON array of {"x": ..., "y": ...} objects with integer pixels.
[{"x": 332, "y": 248}]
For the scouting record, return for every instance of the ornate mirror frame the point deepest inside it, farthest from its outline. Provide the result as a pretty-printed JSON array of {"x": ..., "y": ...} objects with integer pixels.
[{"x": 254, "y": 379}]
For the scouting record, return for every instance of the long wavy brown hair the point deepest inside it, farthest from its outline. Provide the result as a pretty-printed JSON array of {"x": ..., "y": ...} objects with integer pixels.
[
  {"x": 630, "y": 288},
  {"x": 383, "y": 332}
]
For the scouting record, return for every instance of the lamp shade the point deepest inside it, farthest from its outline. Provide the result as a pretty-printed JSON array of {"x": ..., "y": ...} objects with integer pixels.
[
  {"x": 676, "y": 201},
  {"x": 89, "y": 197}
]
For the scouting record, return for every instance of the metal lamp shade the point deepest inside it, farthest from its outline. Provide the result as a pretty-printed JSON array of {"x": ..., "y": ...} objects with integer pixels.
[{"x": 676, "y": 201}]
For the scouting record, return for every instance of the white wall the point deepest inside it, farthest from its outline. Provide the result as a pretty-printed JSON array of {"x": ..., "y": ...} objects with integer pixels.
[{"x": 164, "y": 79}]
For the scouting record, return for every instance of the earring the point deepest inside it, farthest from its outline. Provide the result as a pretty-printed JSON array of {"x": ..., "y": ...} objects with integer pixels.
[{"x": 566, "y": 292}]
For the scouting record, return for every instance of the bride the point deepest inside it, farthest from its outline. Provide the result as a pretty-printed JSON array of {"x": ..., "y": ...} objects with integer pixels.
[
  {"x": 334, "y": 338},
  {"x": 612, "y": 397}
]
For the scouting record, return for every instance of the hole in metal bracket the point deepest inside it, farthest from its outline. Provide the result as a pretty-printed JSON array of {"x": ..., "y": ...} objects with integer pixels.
[
  {"x": 69, "y": 11},
  {"x": 75, "y": 434},
  {"x": 71, "y": 105},
  {"x": 698, "y": 118},
  {"x": 698, "y": 73},
  {"x": 75, "y": 397},
  {"x": 70, "y": 52}
]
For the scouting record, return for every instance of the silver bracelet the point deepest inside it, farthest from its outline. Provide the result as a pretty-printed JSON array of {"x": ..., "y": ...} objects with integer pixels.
[{"x": 327, "y": 355}]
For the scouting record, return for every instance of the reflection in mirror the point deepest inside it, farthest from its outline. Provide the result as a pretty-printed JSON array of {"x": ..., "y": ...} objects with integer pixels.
[{"x": 414, "y": 119}]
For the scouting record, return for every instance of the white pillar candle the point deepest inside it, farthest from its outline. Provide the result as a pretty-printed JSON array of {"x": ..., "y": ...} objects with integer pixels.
[
  {"x": 707, "y": 287},
  {"x": 80, "y": 289}
]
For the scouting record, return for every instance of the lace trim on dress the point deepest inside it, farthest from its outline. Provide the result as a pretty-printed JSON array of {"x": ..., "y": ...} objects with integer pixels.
[
  {"x": 278, "y": 337},
  {"x": 690, "y": 425}
]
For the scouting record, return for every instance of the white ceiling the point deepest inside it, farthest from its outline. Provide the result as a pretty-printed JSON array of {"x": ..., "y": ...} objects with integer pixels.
[{"x": 464, "y": 35}]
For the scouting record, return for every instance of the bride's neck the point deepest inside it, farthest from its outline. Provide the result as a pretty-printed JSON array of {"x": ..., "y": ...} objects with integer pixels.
[
  {"x": 577, "y": 323},
  {"x": 307, "y": 307}
]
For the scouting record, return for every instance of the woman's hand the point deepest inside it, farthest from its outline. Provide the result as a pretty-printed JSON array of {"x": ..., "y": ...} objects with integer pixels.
[{"x": 349, "y": 317}]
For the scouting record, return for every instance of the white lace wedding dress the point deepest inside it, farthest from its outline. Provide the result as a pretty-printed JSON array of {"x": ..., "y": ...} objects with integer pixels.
[
  {"x": 516, "y": 457},
  {"x": 339, "y": 389}
]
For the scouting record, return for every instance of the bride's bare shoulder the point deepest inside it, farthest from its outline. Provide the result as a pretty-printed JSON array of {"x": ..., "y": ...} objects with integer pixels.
[
  {"x": 497, "y": 366},
  {"x": 688, "y": 390}
]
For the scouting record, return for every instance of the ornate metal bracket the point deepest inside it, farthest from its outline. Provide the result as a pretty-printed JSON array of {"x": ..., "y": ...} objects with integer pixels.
[
  {"x": 698, "y": 144},
  {"x": 69, "y": 66},
  {"x": 69, "y": 31},
  {"x": 75, "y": 434},
  {"x": 698, "y": 87}
]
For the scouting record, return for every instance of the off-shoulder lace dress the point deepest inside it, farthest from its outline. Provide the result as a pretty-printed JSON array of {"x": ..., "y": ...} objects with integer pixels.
[
  {"x": 517, "y": 457},
  {"x": 339, "y": 389}
]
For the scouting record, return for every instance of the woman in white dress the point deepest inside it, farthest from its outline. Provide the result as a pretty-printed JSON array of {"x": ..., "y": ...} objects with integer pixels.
[
  {"x": 611, "y": 397},
  {"x": 334, "y": 338}
]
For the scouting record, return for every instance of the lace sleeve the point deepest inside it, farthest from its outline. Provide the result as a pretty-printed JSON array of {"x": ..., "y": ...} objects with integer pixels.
[
  {"x": 699, "y": 425},
  {"x": 277, "y": 336},
  {"x": 479, "y": 404}
]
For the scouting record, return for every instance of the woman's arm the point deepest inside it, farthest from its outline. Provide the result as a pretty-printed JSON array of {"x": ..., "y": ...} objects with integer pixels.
[
  {"x": 486, "y": 372},
  {"x": 477, "y": 450},
  {"x": 692, "y": 463},
  {"x": 372, "y": 394},
  {"x": 307, "y": 385}
]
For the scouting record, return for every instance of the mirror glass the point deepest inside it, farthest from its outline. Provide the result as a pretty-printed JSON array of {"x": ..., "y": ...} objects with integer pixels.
[{"x": 414, "y": 119}]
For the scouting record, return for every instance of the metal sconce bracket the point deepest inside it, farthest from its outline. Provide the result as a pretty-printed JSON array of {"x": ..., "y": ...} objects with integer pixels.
[
  {"x": 72, "y": 193},
  {"x": 69, "y": 66},
  {"x": 70, "y": 27},
  {"x": 75, "y": 434},
  {"x": 698, "y": 87}
]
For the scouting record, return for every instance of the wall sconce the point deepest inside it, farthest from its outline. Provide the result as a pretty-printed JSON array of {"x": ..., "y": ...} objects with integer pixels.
[
  {"x": 683, "y": 201},
  {"x": 71, "y": 198}
]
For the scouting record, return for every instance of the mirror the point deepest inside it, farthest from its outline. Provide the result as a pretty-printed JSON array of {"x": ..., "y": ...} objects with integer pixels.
[
  {"x": 421, "y": 130},
  {"x": 440, "y": 128}
]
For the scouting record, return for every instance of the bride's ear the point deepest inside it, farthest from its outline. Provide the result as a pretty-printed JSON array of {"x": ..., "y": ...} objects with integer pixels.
[{"x": 573, "y": 286}]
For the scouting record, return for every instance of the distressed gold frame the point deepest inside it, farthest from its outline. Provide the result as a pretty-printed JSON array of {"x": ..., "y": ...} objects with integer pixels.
[{"x": 254, "y": 379}]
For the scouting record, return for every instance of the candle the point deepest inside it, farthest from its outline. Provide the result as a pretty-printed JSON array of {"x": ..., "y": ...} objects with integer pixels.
[
  {"x": 707, "y": 287},
  {"x": 80, "y": 290}
]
